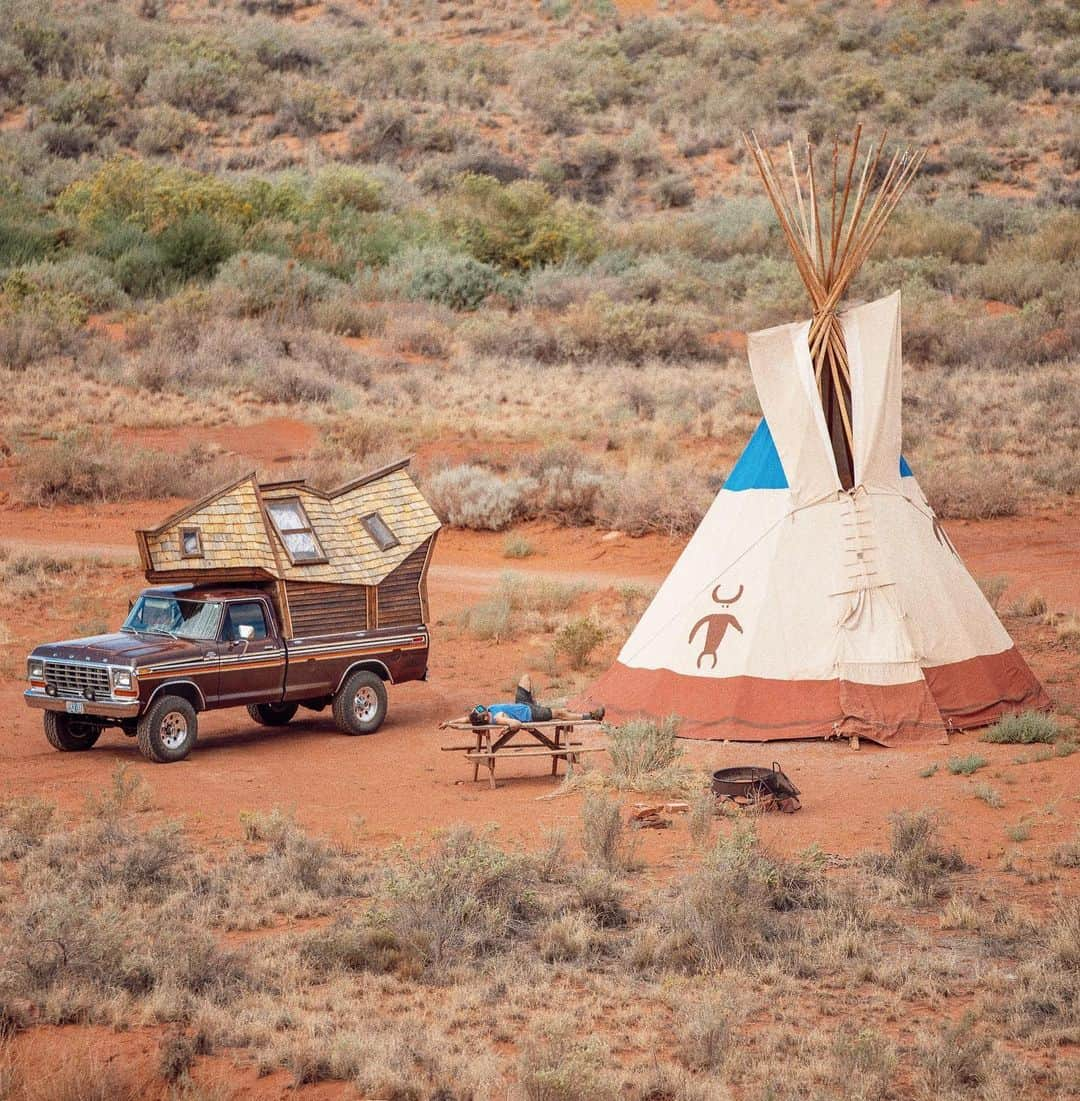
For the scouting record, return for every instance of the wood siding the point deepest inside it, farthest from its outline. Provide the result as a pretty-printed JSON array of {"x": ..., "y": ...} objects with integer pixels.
[
  {"x": 317, "y": 609},
  {"x": 400, "y": 603}
]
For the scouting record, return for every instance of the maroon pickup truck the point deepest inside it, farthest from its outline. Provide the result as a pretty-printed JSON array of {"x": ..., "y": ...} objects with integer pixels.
[{"x": 184, "y": 649}]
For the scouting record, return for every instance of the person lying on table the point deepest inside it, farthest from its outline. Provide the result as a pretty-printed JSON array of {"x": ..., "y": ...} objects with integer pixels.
[{"x": 523, "y": 710}]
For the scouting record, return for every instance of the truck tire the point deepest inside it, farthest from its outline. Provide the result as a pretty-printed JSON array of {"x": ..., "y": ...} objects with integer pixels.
[
  {"x": 360, "y": 705},
  {"x": 67, "y": 734},
  {"x": 272, "y": 714},
  {"x": 168, "y": 729}
]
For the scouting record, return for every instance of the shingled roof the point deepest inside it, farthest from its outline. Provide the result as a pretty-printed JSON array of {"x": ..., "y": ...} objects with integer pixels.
[{"x": 231, "y": 532}]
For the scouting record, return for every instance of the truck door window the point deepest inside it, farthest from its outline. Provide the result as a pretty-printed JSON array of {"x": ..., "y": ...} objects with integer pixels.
[
  {"x": 244, "y": 615},
  {"x": 295, "y": 530}
]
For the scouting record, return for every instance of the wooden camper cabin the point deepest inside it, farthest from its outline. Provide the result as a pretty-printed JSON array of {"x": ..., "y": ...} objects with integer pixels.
[{"x": 352, "y": 559}]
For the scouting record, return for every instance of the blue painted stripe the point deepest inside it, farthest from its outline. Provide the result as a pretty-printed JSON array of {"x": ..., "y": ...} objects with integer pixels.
[{"x": 759, "y": 465}]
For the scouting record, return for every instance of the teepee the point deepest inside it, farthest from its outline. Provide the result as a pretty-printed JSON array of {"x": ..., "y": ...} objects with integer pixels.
[{"x": 820, "y": 596}]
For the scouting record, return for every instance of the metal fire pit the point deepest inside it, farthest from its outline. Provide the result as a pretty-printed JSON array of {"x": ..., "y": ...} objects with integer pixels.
[{"x": 751, "y": 783}]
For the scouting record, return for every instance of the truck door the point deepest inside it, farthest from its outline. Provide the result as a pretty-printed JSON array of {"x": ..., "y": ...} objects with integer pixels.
[{"x": 253, "y": 668}]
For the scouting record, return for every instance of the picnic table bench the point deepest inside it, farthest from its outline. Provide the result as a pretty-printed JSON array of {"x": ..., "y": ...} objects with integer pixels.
[{"x": 553, "y": 739}]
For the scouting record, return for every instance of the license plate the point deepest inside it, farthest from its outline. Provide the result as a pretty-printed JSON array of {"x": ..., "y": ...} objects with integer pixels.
[{"x": 75, "y": 707}]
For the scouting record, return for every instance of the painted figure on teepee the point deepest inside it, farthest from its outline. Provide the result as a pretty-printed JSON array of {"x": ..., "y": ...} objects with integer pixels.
[{"x": 855, "y": 614}]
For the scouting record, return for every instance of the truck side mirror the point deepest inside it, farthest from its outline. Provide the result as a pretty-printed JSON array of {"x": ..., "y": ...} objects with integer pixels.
[{"x": 246, "y": 632}]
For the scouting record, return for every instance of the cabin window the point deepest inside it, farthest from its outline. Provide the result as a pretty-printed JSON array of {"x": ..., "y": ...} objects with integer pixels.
[
  {"x": 297, "y": 535},
  {"x": 190, "y": 543},
  {"x": 380, "y": 531}
]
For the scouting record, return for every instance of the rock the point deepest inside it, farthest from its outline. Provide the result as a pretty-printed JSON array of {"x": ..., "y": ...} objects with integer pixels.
[{"x": 611, "y": 536}]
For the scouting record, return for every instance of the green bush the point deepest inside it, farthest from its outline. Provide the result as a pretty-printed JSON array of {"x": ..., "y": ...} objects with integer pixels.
[
  {"x": 1023, "y": 728},
  {"x": 196, "y": 245},
  {"x": 518, "y": 226},
  {"x": 577, "y": 640},
  {"x": 85, "y": 279},
  {"x": 451, "y": 279},
  {"x": 343, "y": 187},
  {"x": 201, "y": 85}
]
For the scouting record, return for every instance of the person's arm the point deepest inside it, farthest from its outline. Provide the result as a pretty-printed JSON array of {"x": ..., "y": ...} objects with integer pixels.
[
  {"x": 457, "y": 719},
  {"x": 502, "y": 719}
]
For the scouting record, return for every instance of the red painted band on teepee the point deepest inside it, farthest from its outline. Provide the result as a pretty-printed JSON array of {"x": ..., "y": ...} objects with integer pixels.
[
  {"x": 760, "y": 709},
  {"x": 980, "y": 690}
]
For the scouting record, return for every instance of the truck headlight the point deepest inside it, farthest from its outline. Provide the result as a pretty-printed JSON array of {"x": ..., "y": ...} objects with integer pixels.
[
  {"x": 35, "y": 670},
  {"x": 123, "y": 680}
]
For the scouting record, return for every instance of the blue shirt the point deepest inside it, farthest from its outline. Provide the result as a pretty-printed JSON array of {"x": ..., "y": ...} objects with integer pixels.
[{"x": 520, "y": 711}]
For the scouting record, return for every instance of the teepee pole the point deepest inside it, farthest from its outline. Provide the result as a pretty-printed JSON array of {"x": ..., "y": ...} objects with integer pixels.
[{"x": 858, "y": 212}]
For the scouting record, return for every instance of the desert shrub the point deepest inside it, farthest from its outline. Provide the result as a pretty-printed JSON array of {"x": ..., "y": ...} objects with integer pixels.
[
  {"x": 1023, "y": 728},
  {"x": 673, "y": 190},
  {"x": 142, "y": 269},
  {"x": 729, "y": 911},
  {"x": 989, "y": 795},
  {"x": 200, "y": 85},
  {"x": 36, "y": 321},
  {"x": 966, "y": 765},
  {"x": 568, "y": 937},
  {"x": 956, "y": 1060},
  {"x": 163, "y": 129},
  {"x": 196, "y": 245},
  {"x": 632, "y": 332},
  {"x": 23, "y": 824},
  {"x": 642, "y": 750},
  {"x": 153, "y": 196},
  {"x": 706, "y": 1034},
  {"x": 517, "y": 546},
  {"x": 464, "y": 899},
  {"x": 671, "y": 500},
  {"x": 560, "y": 1064},
  {"x": 451, "y": 279},
  {"x": 345, "y": 187},
  {"x": 702, "y": 817},
  {"x": 67, "y": 139},
  {"x": 471, "y": 496},
  {"x": 253, "y": 283},
  {"x": 568, "y": 487},
  {"x": 310, "y": 107},
  {"x": 993, "y": 588},
  {"x": 577, "y": 640},
  {"x": 419, "y": 331},
  {"x": 917, "y": 863},
  {"x": 603, "y": 836},
  {"x": 85, "y": 465},
  {"x": 78, "y": 278},
  {"x": 970, "y": 489},
  {"x": 386, "y": 131},
  {"x": 518, "y": 226}
]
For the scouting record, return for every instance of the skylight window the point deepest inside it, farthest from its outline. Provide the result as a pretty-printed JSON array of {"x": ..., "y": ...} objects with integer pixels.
[
  {"x": 297, "y": 535},
  {"x": 379, "y": 530}
]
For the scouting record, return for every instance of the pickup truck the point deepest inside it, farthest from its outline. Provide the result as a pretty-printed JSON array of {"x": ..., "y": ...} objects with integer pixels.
[{"x": 189, "y": 648}]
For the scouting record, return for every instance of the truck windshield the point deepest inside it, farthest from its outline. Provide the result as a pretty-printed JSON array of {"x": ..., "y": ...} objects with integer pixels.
[{"x": 170, "y": 615}]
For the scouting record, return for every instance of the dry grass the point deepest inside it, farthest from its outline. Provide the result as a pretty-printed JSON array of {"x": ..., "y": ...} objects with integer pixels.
[{"x": 424, "y": 944}]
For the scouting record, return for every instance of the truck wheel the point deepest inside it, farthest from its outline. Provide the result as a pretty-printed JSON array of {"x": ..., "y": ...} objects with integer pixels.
[
  {"x": 272, "y": 714},
  {"x": 167, "y": 731},
  {"x": 360, "y": 706},
  {"x": 67, "y": 734}
]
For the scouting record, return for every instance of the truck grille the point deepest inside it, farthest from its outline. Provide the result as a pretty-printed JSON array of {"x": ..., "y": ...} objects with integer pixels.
[{"x": 71, "y": 681}]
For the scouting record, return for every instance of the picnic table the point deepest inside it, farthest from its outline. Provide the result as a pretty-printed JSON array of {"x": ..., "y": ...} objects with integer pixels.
[{"x": 551, "y": 739}]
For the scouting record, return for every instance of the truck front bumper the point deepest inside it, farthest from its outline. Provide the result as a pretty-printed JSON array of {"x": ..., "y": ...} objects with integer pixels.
[{"x": 105, "y": 709}]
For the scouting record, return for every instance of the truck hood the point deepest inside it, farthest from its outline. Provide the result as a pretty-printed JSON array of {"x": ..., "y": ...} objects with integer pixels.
[{"x": 121, "y": 648}]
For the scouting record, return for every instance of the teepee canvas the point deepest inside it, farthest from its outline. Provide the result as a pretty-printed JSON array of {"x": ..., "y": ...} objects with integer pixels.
[{"x": 820, "y": 596}]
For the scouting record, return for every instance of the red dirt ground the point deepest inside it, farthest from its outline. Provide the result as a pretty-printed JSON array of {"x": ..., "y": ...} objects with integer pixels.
[{"x": 401, "y": 785}]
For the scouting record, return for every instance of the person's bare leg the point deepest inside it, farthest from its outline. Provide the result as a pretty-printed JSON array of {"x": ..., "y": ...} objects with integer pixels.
[
  {"x": 525, "y": 682},
  {"x": 562, "y": 713}
]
